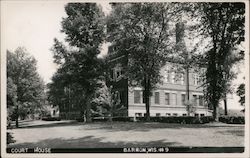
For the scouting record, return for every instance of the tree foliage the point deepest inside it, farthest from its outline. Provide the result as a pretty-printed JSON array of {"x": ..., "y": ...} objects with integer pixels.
[
  {"x": 141, "y": 31},
  {"x": 84, "y": 25},
  {"x": 241, "y": 93},
  {"x": 224, "y": 24},
  {"x": 25, "y": 88},
  {"x": 79, "y": 65},
  {"x": 102, "y": 101}
]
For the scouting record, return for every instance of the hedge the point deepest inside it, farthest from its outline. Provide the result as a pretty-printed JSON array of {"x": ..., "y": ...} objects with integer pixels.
[
  {"x": 182, "y": 119},
  {"x": 123, "y": 119},
  {"x": 51, "y": 119},
  {"x": 100, "y": 119},
  {"x": 166, "y": 119},
  {"x": 232, "y": 119}
]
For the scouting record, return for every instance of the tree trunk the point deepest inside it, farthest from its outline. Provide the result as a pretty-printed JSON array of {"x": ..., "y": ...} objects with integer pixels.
[
  {"x": 225, "y": 106},
  {"x": 17, "y": 123},
  {"x": 187, "y": 87},
  {"x": 88, "y": 109},
  {"x": 17, "y": 115},
  {"x": 214, "y": 111},
  {"x": 147, "y": 106},
  {"x": 188, "y": 111},
  {"x": 111, "y": 113},
  {"x": 187, "y": 90},
  {"x": 111, "y": 117},
  {"x": 147, "y": 95}
]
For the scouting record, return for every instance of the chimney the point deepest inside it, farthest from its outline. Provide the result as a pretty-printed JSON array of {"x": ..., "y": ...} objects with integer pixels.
[{"x": 179, "y": 32}]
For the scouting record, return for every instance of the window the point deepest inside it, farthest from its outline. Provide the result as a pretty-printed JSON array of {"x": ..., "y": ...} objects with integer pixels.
[
  {"x": 166, "y": 76},
  {"x": 137, "y": 97},
  {"x": 175, "y": 114},
  {"x": 203, "y": 71},
  {"x": 201, "y": 101},
  {"x": 195, "y": 100},
  {"x": 182, "y": 79},
  {"x": 183, "y": 99},
  {"x": 196, "y": 78},
  {"x": 196, "y": 115},
  {"x": 174, "y": 99},
  {"x": 157, "y": 98},
  {"x": 158, "y": 115},
  {"x": 184, "y": 114},
  {"x": 173, "y": 77},
  {"x": 202, "y": 114},
  {"x": 138, "y": 114},
  {"x": 168, "y": 114},
  {"x": 118, "y": 73},
  {"x": 167, "y": 98}
]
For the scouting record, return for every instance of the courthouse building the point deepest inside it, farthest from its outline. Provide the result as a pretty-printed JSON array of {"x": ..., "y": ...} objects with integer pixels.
[{"x": 167, "y": 99}]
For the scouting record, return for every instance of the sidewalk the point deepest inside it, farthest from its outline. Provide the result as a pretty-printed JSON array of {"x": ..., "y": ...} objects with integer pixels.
[{"x": 37, "y": 123}]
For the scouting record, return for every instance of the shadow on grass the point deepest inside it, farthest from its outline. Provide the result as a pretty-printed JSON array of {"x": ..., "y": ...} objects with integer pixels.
[
  {"x": 127, "y": 126},
  {"x": 144, "y": 127},
  {"x": 236, "y": 132},
  {"x": 91, "y": 142}
]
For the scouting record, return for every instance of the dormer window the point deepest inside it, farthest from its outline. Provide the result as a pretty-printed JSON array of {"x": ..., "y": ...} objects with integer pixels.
[
  {"x": 116, "y": 73},
  {"x": 196, "y": 79},
  {"x": 182, "y": 80},
  {"x": 167, "y": 75},
  {"x": 173, "y": 75}
]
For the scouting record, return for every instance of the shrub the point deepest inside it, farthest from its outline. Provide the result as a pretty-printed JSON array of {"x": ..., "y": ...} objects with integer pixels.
[
  {"x": 185, "y": 119},
  {"x": 179, "y": 119},
  {"x": 51, "y": 119},
  {"x": 140, "y": 119},
  {"x": 100, "y": 119},
  {"x": 123, "y": 119},
  {"x": 207, "y": 119},
  {"x": 10, "y": 138},
  {"x": 164, "y": 119},
  {"x": 80, "y": 119},
  {"x": 232, "y": 119}
]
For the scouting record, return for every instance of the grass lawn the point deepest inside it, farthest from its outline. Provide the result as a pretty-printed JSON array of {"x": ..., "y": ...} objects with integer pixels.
[{"x": 60, "y": 134}]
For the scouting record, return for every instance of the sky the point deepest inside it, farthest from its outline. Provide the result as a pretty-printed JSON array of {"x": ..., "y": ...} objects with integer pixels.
[{"x": 34, "y": 25}]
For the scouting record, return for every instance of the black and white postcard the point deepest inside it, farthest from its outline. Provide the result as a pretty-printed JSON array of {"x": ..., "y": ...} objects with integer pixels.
[{"x": 124, "y": 78}]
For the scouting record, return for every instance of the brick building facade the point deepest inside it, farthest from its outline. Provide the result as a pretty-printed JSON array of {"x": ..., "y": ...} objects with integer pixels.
[{"x": 167, "y": 99}]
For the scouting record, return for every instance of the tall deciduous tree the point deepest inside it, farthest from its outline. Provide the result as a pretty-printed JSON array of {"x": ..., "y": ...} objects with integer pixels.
[
  {"x": 65, "y": 93},
  {"x": 224, "y": 23},
  {"x": 141, "y": 31},
  {"x": 25, "y": 88},
  {"x": 229, "y": 74},
  {"x": 84, "y": 29}
]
